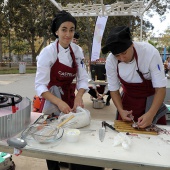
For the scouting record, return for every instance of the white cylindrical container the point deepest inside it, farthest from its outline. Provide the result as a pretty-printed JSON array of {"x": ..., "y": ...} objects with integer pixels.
[{"x": 72, "y": 135}]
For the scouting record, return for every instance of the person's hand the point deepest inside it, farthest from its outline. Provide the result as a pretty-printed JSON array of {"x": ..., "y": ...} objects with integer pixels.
[
  {"x": 125, "y": 115},
  {"x": 64, "y": 107},
  {"x": 145, "y": 120},
  {"x": 99, "y": 97},
  {"x": 78, "y": 101}
]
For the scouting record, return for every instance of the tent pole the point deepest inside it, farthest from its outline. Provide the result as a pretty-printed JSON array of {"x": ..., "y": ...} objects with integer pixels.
[{"x": 141, "y": 26}]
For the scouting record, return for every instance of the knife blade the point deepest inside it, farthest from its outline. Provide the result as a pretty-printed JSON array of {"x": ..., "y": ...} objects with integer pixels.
[{"x": 102, "y": 132}]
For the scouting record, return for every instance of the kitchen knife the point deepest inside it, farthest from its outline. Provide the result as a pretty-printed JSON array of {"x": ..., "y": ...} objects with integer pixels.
[
  {"x": 102, "y": 132},
  {"x": 108, "y": 125}
]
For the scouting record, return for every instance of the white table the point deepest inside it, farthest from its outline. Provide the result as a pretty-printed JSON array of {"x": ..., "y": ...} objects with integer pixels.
[{"x": 147, "y": 152}]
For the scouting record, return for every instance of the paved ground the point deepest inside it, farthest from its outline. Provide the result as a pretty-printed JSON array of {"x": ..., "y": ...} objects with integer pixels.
[{"x": 23, "y": 84}]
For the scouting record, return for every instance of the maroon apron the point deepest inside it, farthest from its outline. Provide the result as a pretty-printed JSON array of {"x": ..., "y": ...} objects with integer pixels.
[
  {"x": 62, "y": 76},
  {"x": 135, "y": 95}
]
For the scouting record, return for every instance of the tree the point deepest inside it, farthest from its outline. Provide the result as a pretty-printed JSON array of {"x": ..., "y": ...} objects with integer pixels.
[
  {"x": 153, "y": 43},
  {"x": 3, "y": 28},
  {"x": 20, "y": 48},
  {"x": 31, "y": 20},
  {"x": 165, "y": 39},
  {"x": 86, "y": 30},
  {"x": 168, "y": 49}
]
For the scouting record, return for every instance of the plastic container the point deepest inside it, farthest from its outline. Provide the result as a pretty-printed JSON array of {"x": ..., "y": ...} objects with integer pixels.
[
  {"x": 72, "y": 135},
  {"x": 22, "y": 67}
]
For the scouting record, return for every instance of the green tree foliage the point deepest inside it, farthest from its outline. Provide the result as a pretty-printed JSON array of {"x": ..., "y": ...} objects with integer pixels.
[
  {"x": 2, "y": 27},
  {"x": 20, "y": 47},
  {"x": 153, "y": 43},
  {"x": 168, "y": 49},
  {"x": 31, "y": 20},
  {"x": 86, "y": 25},
  {"x": 160, "y": 7},
  {"x": 165, "y": 39},
  {"x": 3, "y": 19}
]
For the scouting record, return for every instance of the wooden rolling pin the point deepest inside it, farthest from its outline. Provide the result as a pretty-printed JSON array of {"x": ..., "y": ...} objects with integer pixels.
[{"x": 65, "y": 121}]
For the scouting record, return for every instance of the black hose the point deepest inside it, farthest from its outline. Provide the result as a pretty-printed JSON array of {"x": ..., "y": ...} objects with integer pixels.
[{"x": 4, "y": 97}]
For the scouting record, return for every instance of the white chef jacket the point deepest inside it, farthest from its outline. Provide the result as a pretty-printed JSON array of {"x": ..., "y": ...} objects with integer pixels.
[
  {"x": 48, "y": 57},
  {"x": 149, "y": 63}
]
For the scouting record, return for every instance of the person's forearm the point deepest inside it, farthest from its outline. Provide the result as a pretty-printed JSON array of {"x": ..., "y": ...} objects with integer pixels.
[
  {"x": 158, "y": 100},
  {"x": 116, "y": 97},
  {"x": 80, "y": 92}
]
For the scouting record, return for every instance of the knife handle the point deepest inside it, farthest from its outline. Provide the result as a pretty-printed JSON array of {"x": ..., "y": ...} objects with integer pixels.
[{"x": 110, "y": 126}]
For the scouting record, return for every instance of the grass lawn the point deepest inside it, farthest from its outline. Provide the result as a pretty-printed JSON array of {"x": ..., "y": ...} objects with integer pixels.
[{"x": 15, "y": 70}]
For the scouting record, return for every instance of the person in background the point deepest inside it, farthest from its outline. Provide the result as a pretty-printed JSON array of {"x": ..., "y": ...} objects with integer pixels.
[
  {"x": 99, "y": 91},
  {"x": 167, "y": 67},
  {"x": 76, "y": 38},
  {"x": 58, "y": 65},
  {"x": 93, "y": 91},
  {"x": 107, "y": 92},
  {"x": 137, "y": 68}
]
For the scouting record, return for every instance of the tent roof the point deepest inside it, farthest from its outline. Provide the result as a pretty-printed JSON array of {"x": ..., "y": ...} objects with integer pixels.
[{"x": 135, "y": 8}]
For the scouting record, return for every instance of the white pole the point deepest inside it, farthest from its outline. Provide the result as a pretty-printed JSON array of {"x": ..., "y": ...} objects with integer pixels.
[
  {"x": 141, "y": 26},
  {"x": 103, "y": 9},
  {"x": 56, "y": 4},
  {"x": 147, "y": 7}
]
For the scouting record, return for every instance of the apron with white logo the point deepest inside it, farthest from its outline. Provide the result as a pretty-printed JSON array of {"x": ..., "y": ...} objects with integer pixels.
[{"x": 62, "y": 76}]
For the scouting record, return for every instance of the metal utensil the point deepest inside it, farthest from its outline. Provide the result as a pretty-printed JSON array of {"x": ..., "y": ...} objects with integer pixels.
[
  {"x": 48, "y": 133},
  {"x": 16, "y": 142},
  {"x": 87, "y": 130},
  {"x": 110, "y": 126},
  {"x": 134, "y": 125},
  {"x": 102, "y": 132},
  {"x": 61, "y": 124}
]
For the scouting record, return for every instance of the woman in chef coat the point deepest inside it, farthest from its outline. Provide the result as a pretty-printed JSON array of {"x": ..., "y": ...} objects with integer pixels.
[
  {"x": 58, "y": 65},
  {"x": 138, "y": 68}
]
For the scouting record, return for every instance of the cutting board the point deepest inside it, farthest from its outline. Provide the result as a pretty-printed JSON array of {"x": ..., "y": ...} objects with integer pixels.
[{"x": 122, "y": 126}]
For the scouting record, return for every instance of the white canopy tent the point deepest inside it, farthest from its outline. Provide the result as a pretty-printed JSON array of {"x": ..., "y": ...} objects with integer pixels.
[{"x": 135, "y": 8}]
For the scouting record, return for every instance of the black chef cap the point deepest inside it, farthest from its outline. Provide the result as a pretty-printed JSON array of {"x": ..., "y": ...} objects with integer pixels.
[
  {"x": 118, "y": 40},
  {"x": 61, "y": 17},
  {"x": 76, "y": 35}
]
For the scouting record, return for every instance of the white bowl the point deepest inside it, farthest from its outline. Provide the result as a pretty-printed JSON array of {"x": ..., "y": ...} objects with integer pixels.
[{"x": 72, "y": 135}]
